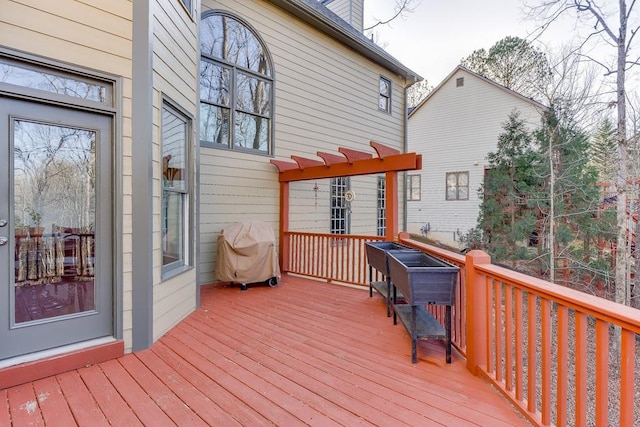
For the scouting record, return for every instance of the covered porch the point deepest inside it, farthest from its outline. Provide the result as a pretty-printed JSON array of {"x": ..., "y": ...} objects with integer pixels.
[{"x": 303, "y": 353}]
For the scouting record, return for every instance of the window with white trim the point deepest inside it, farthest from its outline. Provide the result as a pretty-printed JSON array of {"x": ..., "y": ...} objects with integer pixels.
[
  {"x": 236, "y": 86},
  {"x": 457, "y": 186},
  {"x": 175, "y": 187},
  {"x": 339, "y": 206},
  {"x": 381, "y": 228},
  {"x": 413, "y": 187}
]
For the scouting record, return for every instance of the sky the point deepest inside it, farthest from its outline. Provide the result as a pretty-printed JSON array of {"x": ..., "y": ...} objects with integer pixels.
[{"x": 439, "y": 33}]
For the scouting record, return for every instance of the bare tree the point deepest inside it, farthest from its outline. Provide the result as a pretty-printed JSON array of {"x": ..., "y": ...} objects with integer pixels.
[
  {"x": 417, "y": 92},
  {"x": 400, "y": 10},
  {"x": 609, "y": 24}
]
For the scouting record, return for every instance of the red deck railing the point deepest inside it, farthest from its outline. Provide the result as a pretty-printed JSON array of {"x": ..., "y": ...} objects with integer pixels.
[
  {"x": 549, "y": 349},
  {"x": 335, "y": 258}
]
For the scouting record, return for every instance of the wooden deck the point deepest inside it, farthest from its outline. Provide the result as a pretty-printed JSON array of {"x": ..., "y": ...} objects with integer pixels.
[{"x": 302, "y": 353}]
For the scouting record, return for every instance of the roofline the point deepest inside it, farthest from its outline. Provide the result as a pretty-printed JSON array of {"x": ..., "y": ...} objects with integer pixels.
[
  {"x": 491, "y": 82},
  {"x": 370, "y": 50}
]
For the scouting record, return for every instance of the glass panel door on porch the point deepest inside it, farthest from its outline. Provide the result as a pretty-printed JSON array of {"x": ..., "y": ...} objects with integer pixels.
[{"x": 55, "y": 260}]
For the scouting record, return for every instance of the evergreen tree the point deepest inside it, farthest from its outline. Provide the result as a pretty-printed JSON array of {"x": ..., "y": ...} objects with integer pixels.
[
  {"x": 603, "y": 151},
  {"x": 514, "y": 63},
  {"x": 506, "y": 218}
]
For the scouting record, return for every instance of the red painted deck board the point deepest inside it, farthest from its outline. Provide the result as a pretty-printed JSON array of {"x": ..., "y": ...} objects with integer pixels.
[
  {"x": 302, "y": 353},
  {"x": 138, "y": 400},
  {"x": 52, "y": 402}
]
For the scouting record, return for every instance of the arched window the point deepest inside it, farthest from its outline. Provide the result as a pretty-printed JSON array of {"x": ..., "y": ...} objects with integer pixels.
[{"x": 236, "y": 86}]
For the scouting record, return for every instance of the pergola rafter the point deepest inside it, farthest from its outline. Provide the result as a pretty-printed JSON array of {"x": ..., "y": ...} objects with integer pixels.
[{"x": 348, "y": 162}]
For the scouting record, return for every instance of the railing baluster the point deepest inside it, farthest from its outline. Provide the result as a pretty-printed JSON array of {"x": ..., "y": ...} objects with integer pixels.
[
  {"x": 563, "y": 354},
  {"x": 627, "y": 377},
  {"x": 602, "y": 372},
  {"x": 489, "y": 326},
  {"x": 497, "y": 286},
  {"x": 531, "y": 352},
  {"x": 581, "y": 369},
  {"x": 519, "y": 346},
  {"x": 546, "y": 361},
  {"x": 508, "y": 332}
]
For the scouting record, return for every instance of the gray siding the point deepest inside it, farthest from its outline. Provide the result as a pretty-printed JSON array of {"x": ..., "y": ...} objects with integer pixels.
[
  {"x": 326, "y": 97},
  {"x": 175, "y": 75}
]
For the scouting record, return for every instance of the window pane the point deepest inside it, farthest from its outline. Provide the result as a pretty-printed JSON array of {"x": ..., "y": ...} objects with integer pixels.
[
  {"x": 451, "y": 193},
  {"x": 253, "y": 95},
  {"x": 252, "y": 132},
  {"x": 463, "y": 193},
  {"x": 451, "y": 180},
  {"x": 225, "y": 38},
  {"x": 214, "y": 124},
  {"x": 172, "y": 228},
  {"x": 384, "y": 103},
  {"x": 50, "y": 82},
  {"x": 174, "y": 151},
  {"x": 463, "y": 179},
  {"x": 214, "y": 83},
  {"x": 385, "y": 87}
]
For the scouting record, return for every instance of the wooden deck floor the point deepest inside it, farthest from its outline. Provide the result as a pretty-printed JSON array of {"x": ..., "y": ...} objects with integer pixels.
[{"x": 302, "y": 353}]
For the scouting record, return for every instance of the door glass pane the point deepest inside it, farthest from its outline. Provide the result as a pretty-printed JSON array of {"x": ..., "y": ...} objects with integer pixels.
[{"x": 54, "y": 216}]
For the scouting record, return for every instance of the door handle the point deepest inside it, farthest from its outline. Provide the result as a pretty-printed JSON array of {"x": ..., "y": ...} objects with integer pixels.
[
  {"x": 3, "y": 222},
  {"x": 3, "y": 241}
]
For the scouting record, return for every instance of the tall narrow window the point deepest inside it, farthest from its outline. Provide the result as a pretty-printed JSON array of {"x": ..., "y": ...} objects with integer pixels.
[
  {"x": 413, "y": 187},
  {"x": 175, "y": 187},
  {"x": 384, "y": 101},
  {"x": 236, "y": 86},
  {"x": 339, "y": 206},
  {"x": 381, "y": 228},
  {"x": 458, "y": 186}
]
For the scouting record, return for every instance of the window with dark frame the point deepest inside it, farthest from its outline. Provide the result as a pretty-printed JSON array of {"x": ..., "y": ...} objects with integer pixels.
[
  {"x": 457, "y": 186},
  {"x": 175, "y": 129},
  {"x": 460, "y": 82},
  {"x": 381, "y": 228},
  {"x": 413, "y": 187},
  {"x": 236, "y": 86},
  {"x": 384, "y": 101}
]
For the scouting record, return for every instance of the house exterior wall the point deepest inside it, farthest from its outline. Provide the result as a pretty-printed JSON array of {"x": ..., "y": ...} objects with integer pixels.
[
  {"x": 351, "y": 11},
  {"x": 98, "y": 36},
  {"x": 455, "y": 129},
  {"x": 175, "y": 76},
  {"x": 326, "y": 96}
]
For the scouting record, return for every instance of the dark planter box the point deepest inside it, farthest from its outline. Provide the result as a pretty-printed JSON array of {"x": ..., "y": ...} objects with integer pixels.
[
  {"x": 423, "y": 279},
  {"x": 377, "y": 254}
]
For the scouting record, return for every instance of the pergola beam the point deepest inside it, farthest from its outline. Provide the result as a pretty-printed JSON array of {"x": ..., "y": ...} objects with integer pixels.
[{"x": 391, "y": 163}]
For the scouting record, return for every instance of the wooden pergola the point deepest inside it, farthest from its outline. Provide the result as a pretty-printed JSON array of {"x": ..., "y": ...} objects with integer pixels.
[{"x": 347, "y": 162}]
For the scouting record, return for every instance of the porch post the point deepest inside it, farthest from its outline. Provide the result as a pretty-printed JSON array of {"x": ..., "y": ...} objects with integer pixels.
[
  {"x": 283, "y": 253},
  {"x": 476, "y": 311},
  {"x": 391, "y": 208}
]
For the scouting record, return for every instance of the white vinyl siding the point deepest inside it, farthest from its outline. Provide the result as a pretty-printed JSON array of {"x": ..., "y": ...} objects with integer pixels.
[
  {"x": 175, "y": 56},
  {"x": 326, "y": 96},
  {"x": 455, "y": 129}
]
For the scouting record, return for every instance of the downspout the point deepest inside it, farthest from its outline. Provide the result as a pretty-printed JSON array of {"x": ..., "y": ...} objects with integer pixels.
[{"x": 405, "y": 147}]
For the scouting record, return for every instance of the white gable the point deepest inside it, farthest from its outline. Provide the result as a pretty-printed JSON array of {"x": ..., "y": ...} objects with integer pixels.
[{"x": 454, "y": 129}]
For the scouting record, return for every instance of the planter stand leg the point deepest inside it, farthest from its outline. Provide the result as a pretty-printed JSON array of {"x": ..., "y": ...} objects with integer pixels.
[
  {"x": 414, "y": 335},
  {"x": 448, "y": 332},
  {"x": 388, "y": 297}
]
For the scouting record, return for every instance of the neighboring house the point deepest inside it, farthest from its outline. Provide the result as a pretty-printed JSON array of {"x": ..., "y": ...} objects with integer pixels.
[
  {"x": 454, "y": 128},
  {"x": 136, "y": 131}
]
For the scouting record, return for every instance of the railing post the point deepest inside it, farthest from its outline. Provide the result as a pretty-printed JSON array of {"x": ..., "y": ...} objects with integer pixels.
[
  {"x": 476, "y": 311},
  {"x": 284, "y": 227}
]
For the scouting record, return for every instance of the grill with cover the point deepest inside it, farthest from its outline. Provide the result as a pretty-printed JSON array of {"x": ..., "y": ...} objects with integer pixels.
[{"x": 247, "y": 254}]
